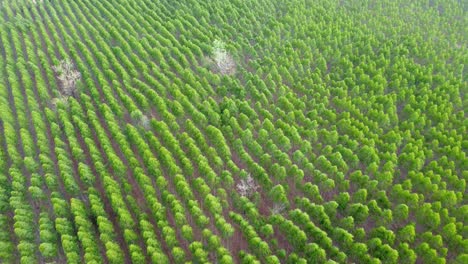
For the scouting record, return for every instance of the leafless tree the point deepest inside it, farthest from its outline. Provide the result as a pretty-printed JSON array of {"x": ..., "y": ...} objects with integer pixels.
[
  {"x": 145, "y": 122},
  {"x": 140, "y": 119},
  {"x": 68, "y": 76},
  {"x": 247, "y": 187},
  {"x": 224, "y": 61},
  {"x": 278, "y": 208}
]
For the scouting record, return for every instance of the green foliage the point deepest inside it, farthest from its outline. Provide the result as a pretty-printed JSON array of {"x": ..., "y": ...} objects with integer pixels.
[
  {"x": 347, "y": 117},
  {"x": 407, "y": 233},
  {"x": 48, "y": 250}
]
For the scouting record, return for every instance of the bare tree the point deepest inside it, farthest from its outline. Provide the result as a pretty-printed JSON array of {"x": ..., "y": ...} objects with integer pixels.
[
  {"x": 224, "y": 61},
  {"x": 68, "y": 77},
  {"x": 140, "y": 119},
  {"x": 278, "y": 208},
  {"x": 145, "y": 122},
  {"x": 247, "y": 187}
]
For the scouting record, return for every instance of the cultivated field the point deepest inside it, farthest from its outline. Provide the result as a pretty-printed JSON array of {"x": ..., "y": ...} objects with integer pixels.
[{"x": 241, "y": 131}]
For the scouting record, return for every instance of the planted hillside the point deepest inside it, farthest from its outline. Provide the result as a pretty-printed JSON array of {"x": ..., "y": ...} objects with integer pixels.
[{"x": 235, "y": 131}]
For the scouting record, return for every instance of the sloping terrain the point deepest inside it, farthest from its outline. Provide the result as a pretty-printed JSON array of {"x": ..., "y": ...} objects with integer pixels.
[{"x": 235, "y": 131}]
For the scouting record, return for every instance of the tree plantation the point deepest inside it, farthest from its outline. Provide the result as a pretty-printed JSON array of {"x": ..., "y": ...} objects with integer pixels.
[{"x": 241, "y": 131}]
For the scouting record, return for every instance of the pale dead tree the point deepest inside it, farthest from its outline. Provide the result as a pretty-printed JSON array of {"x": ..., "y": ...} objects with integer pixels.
[
  {"x": 140, "y": 119},
  {"x": 247, "y": 187},
  {"x": 224, "y": 61},
  {"x": 55, "y": 101},
  {"x": 278, "y": 208},
  {"x": 145, "y": 122},
  {"x": 68, "y": 76}
]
